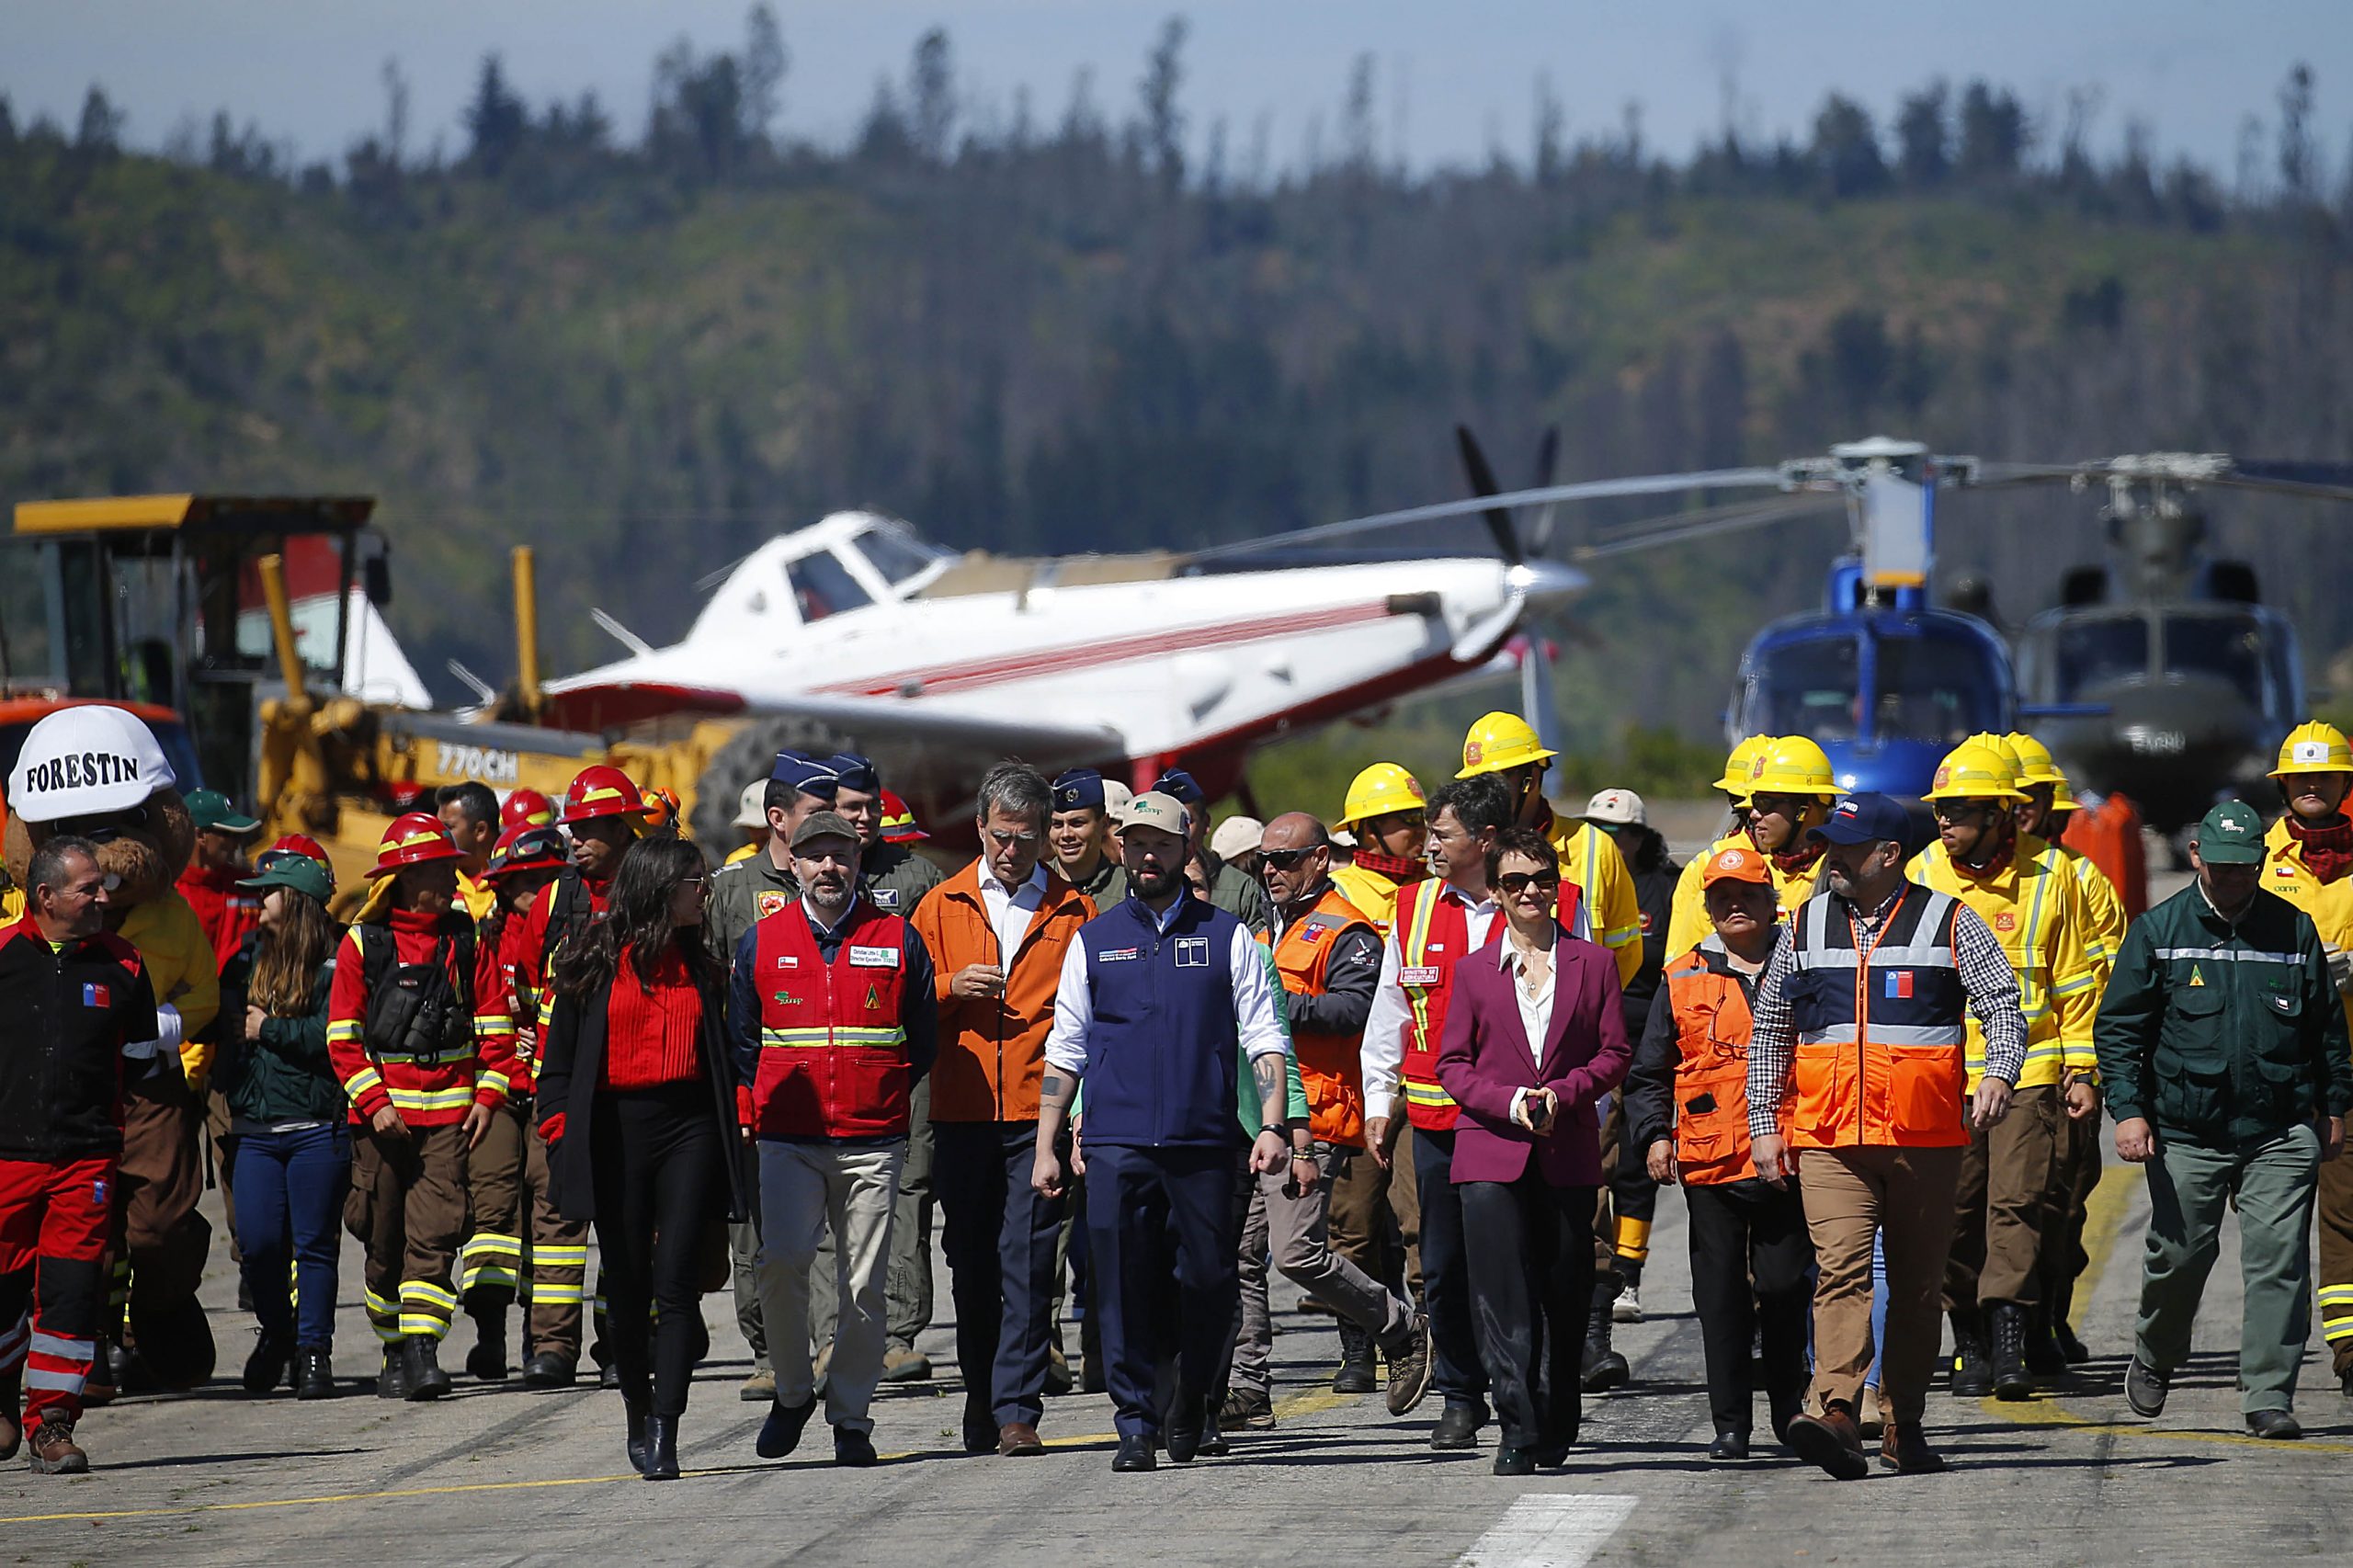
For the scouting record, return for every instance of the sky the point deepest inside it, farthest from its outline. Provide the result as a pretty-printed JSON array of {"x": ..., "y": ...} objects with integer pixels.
[{"x": 1453, "y": 78}]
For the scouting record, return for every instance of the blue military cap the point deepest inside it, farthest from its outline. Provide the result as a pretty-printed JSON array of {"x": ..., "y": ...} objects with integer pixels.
[
  {"x": 806, "y": 774},
  {"x": 855, "y": 772},
  {"x": 1078, "y": 788},
  {"x": 1863, "y": 819},
  {"x": 1179, "y": 785}
]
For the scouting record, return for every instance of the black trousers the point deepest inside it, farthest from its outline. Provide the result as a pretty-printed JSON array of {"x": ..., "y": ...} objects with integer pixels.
[
  {"x": 1751, "y": 1265},
  {"x": 1000, "y": 1238},
  {"x": 1531, "y": 1248},
  {"x": 658, "y": 1182},
  {"x": 1455, "y": 1370}
]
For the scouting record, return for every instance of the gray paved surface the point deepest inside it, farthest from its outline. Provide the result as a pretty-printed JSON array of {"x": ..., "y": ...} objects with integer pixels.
[{"x": 500, "y": 1475}]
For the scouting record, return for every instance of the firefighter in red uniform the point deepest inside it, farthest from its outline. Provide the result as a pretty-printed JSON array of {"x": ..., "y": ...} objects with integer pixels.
[
  {"x": 412, "y": 1033},
  {"x": 77, "y": 998}
]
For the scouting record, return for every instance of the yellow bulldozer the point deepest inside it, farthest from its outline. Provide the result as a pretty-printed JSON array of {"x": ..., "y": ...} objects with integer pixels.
[{"x": 247, "y": 631}]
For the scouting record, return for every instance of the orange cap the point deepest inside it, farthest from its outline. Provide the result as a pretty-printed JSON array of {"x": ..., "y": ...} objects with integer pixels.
[{"x": 1736, "y": 866}]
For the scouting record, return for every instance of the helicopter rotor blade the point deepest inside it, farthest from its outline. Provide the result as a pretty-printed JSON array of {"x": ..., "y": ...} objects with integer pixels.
[
  {"x": 1482, "y": 482},
  {"x": 1548, "y": 458},
  {"x": 1676, "y": 528}
]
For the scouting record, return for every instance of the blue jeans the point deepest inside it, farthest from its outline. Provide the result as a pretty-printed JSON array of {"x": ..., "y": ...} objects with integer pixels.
[{"x": 291, "y": 1187}]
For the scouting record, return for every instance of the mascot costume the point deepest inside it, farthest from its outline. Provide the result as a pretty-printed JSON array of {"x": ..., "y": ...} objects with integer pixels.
[{"x": 96, "y": 771}]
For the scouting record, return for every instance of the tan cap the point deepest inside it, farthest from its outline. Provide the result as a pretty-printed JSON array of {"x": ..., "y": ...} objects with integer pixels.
[
  {"x": 1618, "y": 808},
  {"x": 752, "y": 806},
  {"x": 1116, "y": 796},
  {"x": 1152, "y": 808},
  {"x": 1236, "y": 836}
]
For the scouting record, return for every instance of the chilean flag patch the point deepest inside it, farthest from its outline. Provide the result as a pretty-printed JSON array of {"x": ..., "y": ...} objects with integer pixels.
[
  {"x": 1899, "y": 985},
  {"x": 95, "y": 996}
]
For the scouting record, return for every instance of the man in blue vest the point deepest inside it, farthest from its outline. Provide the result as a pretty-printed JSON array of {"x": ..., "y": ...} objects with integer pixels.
[{"x": 1161, "y": 997}]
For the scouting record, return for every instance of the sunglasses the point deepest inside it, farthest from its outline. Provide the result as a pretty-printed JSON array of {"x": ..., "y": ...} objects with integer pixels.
[
  {"x": 1515, "y": 883},
  {"x": 1284, "y": 859},
  {"x": 1961, "y": 811}
]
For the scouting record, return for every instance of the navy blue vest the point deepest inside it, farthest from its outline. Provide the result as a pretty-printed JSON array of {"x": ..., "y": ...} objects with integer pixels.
[
  {"x": 1164, "y": 1057},
  {"x": 1914, "y": 993}
]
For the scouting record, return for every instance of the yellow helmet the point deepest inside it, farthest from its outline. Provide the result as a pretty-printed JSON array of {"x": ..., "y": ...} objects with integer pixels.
[
  {"x": 2001, "y": 746},
  {"x": 2314, "y": 747},
  {"x": 2036, "y": 764},
  {"x": 1790, "y": 765},
  {"x": 1500, "y": 741},
  {"x": 1379, "y": 791},
  {"x": 1736, "y": 780},
  {"x": 1975, "y": 772}
]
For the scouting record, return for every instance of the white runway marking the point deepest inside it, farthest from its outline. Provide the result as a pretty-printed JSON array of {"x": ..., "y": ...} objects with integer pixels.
[{"x": 1561, "y": 1531}]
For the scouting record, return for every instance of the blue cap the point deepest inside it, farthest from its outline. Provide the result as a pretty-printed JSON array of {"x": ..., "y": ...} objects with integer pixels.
[
  {"x": 1179, "y": 785},
  {"x": 806, "y": 774},
  {"x": 1078, "y": 788},
  {"x": 855, "y": 772},
  {"x": 1864, "y": 819}
]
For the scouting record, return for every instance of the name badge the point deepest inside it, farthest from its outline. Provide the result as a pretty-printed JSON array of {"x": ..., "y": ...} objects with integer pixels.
[
  {"x": 1418, "y": 975},
  {"x": 885, "y": 898},
  {"x": 1192, "y": 952},
  {"x": 1116, "y": 955},
  {"x": 873, "y": 958}
]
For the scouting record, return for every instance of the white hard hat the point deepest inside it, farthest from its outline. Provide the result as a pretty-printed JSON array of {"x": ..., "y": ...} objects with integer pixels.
[
  {"x": 1618, "y": 808},
  {"x": 86, "y": 760},
  {"x": 752, "y": 807},
  {"x": 1236, "y": 836}
]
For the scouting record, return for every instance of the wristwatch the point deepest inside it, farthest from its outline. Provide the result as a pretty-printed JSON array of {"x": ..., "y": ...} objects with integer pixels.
[{"x": 1279, "y": 1129}]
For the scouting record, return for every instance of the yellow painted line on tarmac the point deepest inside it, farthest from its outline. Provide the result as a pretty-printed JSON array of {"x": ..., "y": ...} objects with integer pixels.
[{"x": 2103, "y": 1228}]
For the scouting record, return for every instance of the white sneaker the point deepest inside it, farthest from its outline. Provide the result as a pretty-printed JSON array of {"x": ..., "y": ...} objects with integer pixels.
[{"x": 1629, "y": 1306}]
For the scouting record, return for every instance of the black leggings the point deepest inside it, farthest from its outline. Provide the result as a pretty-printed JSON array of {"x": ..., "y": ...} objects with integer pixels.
[
  {"x": 658, "y": 1178},
  {"x": 1751, "y": 1268}
]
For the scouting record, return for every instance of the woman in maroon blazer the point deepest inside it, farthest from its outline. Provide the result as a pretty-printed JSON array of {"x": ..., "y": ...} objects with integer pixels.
[{"x": 1535, "y": 1037}]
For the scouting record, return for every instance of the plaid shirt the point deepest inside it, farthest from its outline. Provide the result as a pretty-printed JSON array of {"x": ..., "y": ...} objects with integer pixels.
[{"x": 1985, "y": 975}]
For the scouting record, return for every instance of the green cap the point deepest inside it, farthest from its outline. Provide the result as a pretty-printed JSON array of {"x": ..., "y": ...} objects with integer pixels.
[
  {"x": 2231, "y": 835},
  {"x": 300, "y": 872},
  {"x": 211, "y": 810}
]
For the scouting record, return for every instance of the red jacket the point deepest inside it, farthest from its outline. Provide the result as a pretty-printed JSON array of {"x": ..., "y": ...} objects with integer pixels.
[
  {"x": 228, "y": 912},
  {"x": 426, "y": 1094},
  {"x": 833, "y": 1059}
]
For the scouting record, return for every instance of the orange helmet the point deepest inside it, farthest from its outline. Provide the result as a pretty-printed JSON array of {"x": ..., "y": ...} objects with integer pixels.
[
  {"x": 414, "y": 839},
  {"x": 525, "y": 808},
  {"x": 662, "y": 809},
  {"x": 899, "y": 820},
  {"x": 602, "y": 792}
]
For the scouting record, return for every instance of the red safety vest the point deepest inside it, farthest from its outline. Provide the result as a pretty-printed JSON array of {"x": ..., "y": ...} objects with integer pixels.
[
  {"x": 832, "y": 1050},
  {"x": 1331, "y": 1066}
]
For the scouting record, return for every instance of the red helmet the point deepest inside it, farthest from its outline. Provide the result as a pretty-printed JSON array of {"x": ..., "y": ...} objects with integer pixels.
[
  {"x": 300, "y": 844},
  {"x": 602, "y": 792},
  {"x": 526, "y": 847},
  {"x": 416, "y": 839},
  {"x": 527, "y": 808},
  {"x": 899, "y": 820}
]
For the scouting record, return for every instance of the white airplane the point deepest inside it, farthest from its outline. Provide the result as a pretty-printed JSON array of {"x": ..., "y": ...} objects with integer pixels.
[{"x": 936, "y": 664}]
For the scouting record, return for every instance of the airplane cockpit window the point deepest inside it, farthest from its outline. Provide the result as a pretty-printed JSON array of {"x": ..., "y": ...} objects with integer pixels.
[
  {"x": 896, "y": 556},
  {"x": 1934, "y": 688},
  {"x": 823, "y": 586},
  {"x": 2228, "y": 646},
  {"x": 2092, "y": 654}
]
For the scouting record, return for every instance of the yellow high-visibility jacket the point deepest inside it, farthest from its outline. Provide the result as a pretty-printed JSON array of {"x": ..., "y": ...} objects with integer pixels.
[
  {"x": 1589, "y": 858},
  {"x": 2284, "y": 872},
  {"x": 184, "y": 970},
  {"x": 2104, "y": 917},
  {"x": 1687, "y": 925},
  {"x": 2037, "y": 913}
]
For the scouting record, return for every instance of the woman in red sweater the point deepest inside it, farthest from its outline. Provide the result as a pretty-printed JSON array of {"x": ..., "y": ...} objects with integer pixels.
[{"x": 637, "y": 1103}]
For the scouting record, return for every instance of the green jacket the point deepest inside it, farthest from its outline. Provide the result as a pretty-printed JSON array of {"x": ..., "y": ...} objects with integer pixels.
[
  {"x": 284, "y": 1075},
  {"x": 896, "y": 877},
  {"x": 2223, "y": 1036},
  {"x": 1238, "y": 894}
]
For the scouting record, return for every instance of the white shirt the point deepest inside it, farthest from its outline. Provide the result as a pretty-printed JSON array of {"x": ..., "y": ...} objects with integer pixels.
[
  {"x": 1536, "y": 1011},
  {"x": 1384, "y": 1028},
  {"x": 1011, "y": 909},
  {"x": 1246, "y": 966}
]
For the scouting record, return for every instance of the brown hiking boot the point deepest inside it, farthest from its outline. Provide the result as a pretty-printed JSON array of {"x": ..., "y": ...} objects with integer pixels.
[
  {"x": 1830, "y": 1441},
  {"x": 12, "y": 1437},
  {"x": 54, "y": 1453},
  {"x": 1903, "y": 1448}
]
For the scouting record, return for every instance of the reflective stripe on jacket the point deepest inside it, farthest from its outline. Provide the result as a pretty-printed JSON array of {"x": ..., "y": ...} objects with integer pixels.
[
  {"x": 1878, "y": 1056},
  {"x": 1331, "y": 1066},
  {"x": 833, "y": 1059}
]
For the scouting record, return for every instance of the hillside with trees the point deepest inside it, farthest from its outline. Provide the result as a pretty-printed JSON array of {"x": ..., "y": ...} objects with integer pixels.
[{"x": 1100, "y": 326}]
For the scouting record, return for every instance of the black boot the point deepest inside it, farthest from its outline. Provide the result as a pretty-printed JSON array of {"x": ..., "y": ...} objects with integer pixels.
[
  {"x": 1603, "y": 1367},
  {"x": 269, "y": 1364},
  {"x": 313, "y": 1372},
  {"x": 633, "y": 1427},
  {"x": 2043, "y": 1355},
  {"x": 1972, "y": 1377},
  {"x": 486, "y": 1362},
  {"x": 392, "y": 1381},
  {"x": 421, "y": 1354},
  {"x": 1358, "y": 1374},
  {"x": 661, "y": 1449},
  {"x": 2011, "y": 1380}
]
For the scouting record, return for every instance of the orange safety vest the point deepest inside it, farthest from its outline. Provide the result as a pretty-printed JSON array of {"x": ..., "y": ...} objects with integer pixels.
[
  {"x": 1882, "y": 1047},
  {"x": 1331, "y": 1066},
  {"x": 1711, "y": 1030}
]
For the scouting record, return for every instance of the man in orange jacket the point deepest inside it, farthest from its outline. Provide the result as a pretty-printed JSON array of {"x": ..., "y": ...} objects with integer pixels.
[{"x": 997, "y": 932}]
